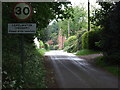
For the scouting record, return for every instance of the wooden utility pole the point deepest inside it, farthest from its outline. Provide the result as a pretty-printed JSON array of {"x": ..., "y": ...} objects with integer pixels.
[{"x": 88, "y": 15}]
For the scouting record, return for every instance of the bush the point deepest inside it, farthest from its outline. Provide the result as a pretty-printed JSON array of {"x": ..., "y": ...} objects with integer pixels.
[
  {"x": 34, "y": 71},
  {"x": 101, "y": 61},
  {"x": 56, "y": 47},
  {"x": 34, "y": 68},
  {"x": 65, "y": 43},
  {"x": 51, "y": 47},
  {"x": 66, "y": 48},
  {"x": 42, "y": 51},
  {"x": 71, "y": 44},
  {"x": 85, "y": 40},
  {"x": 71, "y": 40},
  {"x": 71, "y": 48},
  {"x": 46, "y": 46},
  {"x": 79, "y": 39},
  {"x": 89, "y": 40},
  {"x": 41, "y": 44},
  {"x": 108, "y": 18},
  {"x": 112, "y": 57}
]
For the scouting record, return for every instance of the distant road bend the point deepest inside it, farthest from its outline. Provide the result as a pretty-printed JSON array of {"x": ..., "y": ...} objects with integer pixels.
[{"x": 73, "y": 72}]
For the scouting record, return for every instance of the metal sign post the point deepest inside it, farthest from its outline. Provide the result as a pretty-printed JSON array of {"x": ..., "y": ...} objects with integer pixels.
[
  {"x": 21, "y": 39},
  {"x": 22, "y": 12}
]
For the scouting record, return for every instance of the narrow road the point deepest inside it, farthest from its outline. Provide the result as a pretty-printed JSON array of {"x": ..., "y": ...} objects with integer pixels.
[{"x": 73, "y": 72}]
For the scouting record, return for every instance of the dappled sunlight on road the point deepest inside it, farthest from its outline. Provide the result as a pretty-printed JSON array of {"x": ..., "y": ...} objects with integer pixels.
[
  {"x": 69, "y": 68},
  {"x": 61, "y": 55},
  {"x": 58, "y": 53}
]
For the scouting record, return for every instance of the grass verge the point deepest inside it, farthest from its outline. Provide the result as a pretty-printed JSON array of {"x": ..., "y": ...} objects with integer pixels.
[
  {"x": 114, "y": 69},
  {"x": 87, "y": 52}
]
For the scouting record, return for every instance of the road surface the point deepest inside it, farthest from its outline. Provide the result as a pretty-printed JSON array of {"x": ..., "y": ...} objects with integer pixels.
[{"x": 73, "y": 72}]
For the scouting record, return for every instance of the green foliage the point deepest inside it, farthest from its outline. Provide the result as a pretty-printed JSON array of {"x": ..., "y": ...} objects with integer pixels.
[
  {"x": 41, "y": 44},
  {"x": 79, "y": 39},
  {"x": 71, "y": 44},
  {"x": 53, "y": 32},
  {"x": 56, "y": 47},
  {"x": 86, "y": 52},
  {"x": 33, "y": 61},
  {"x": 78, "y": 22},
  {"x": 108, "y": 19},
  {"x": 41, "y": 18},
  {"x": 65, "y": 43},
  {"x": 71, "y": 40},
  {"x": 66, "y": 48},
  {"x": 100, "y": 15},
  {"x": 51, "y": 47},
  {"x": 89, "y": 40},
  {"x": 101, "y": 62},
  {"x": 34, "y": 72},
  {"x": 50, "y": 11},
  {"x": 63, "y": 26},
  {"x": 85, "y": 40},
  {"x": 93, "y": 37},
  {"x": 47, "y": 47},
  {"x": 42, "y": 51}
]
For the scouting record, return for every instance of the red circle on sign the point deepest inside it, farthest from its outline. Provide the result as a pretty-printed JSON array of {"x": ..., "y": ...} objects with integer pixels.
[{"x": 17, "y": 18}]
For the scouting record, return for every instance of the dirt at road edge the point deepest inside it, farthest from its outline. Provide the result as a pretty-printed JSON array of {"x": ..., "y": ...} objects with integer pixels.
[
  {"x": 90, "y": 58},
  {"x": 50, "y": 76}
]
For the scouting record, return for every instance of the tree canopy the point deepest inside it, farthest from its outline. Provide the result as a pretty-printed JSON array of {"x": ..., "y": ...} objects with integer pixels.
[
  {"x": 43, "y": 14},
  {"x": 76, "y": 23},
  {"x": 107, "y": 19}
]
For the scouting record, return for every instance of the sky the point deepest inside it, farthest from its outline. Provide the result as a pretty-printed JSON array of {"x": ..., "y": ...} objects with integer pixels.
[{"x": 85, "y": 2}]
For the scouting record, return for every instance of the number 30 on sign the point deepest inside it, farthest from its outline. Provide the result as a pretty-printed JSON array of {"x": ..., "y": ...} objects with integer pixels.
[{"x": 22, "y": 11}]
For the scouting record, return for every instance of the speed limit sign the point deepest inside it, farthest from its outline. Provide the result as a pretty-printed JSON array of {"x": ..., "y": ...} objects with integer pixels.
[{"x": 22, "y": 11}]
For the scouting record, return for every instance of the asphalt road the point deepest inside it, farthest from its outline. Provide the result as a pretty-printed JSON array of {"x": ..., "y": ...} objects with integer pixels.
[{"x": 73, "y": 72}]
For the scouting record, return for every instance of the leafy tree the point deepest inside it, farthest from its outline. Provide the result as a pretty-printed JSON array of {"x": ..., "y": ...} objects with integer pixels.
[
  {"x": 89, "y": 40},
  {"x": 53, "y": 32},
  {"x": 46, "y": 12},
  {"x": 77, "y": 22},
  {"x": 43, "y": 13},
  {"x": 107, "y": 18}
]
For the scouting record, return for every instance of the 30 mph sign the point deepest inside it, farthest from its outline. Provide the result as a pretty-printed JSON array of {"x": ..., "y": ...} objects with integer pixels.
[{"x": 22, "y": 11}]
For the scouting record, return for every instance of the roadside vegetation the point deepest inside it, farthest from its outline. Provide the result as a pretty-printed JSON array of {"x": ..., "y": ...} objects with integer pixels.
[
  {"x": 87, "y": 52},
  {"x": 30, "y": 72},
  {"x": 114, "y": 69},
  {"x": 34, "y": 72},
  {"x": 72, "y": 21},
  {"x": 102, "y": 38}
]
